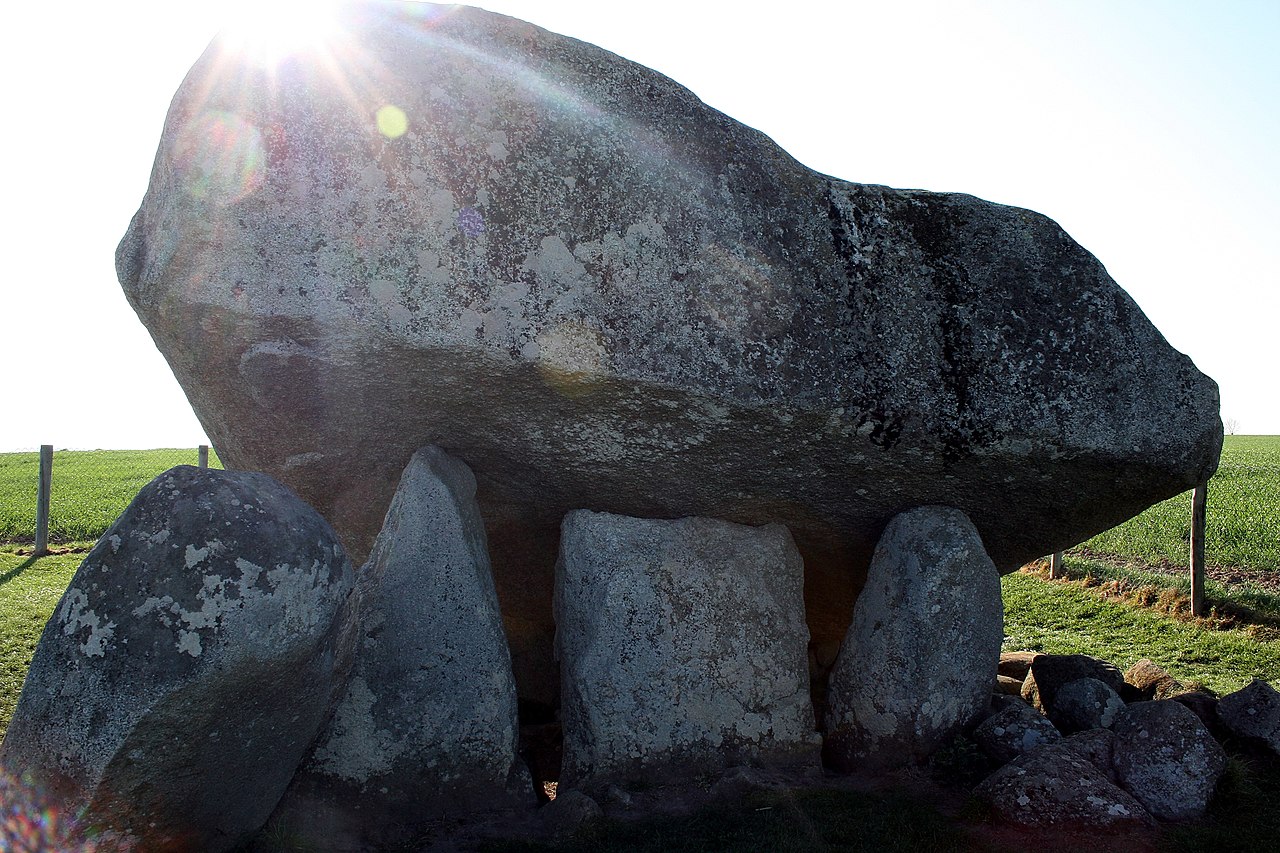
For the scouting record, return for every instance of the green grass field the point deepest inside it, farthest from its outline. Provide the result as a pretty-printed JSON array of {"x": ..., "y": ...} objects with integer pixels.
[
  {"x": 90, "y": 489},
  {"x": 1242, "y": 516}
]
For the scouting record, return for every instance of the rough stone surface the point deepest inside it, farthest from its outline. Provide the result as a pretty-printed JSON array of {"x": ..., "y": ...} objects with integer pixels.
[
  {"x": 1152, "y": 681},
  {"x": 1097, "y": 746},
  {"x": 568, "y": 812},
  {"x": 1055, "y": 787},
  {"x": 1015, "y": 664},
  {"x": 682, "y": 648},
  {"x": 1083, "y": 704},
  {"x": 1167, "y": 759},
  {"x": 1007, "y": 686},
  {"x": 1013, "y": 731},
  {"x": 921, "y": 654},
  {"x": 599, "y": 292},
  {"x": 427, "y": 728},
  {"x": 1049, "y": 672},
  {"x": 1253, "y": 713},
  {"x": 192, "y": 660}
]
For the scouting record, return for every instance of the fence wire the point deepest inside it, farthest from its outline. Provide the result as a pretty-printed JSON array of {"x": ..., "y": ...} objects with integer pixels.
[{"x": 89, "y": 489}]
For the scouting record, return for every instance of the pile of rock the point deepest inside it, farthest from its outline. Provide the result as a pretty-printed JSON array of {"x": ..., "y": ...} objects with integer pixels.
[{"x": 1080, "y": 743}]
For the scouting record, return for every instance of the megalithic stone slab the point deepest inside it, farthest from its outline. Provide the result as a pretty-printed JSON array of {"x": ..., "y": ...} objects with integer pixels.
[
  {"x": 921, "y": 655},
  {"x": 193, "y": 659},
  {"x": 682, "y": 647},
  {"x": 451, "y": 227},
  {"x": 428, "y": 727}
]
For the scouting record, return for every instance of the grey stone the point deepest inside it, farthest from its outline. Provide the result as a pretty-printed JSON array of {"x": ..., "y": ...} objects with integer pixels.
[
  {"x": 1055, "y": 787},
  {"x": 1167, "y": 759},
  {"x": 921, "y": 652},
  {"x": 1097, "y": 746},
  {"x": 1085, "y": 703},
  {"x": 194, "y": 657},
  {"x": 569, "y": 812},
  {"x": 600, "y": 292},
  {"x": 1253, "y": 713},
  {"x": 1013, "y": 731},
  {"x": 427, "y": 728},
  {"x": 1047, "y": 673},
  {"x": 682, "y": 648}
]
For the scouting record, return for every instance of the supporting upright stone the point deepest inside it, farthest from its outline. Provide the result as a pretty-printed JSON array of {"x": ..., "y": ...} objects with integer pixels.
[
  {"x": 682, "y": 647},
  {"x": 920, "y": 656},
  {"x": 428, "y": 727}
]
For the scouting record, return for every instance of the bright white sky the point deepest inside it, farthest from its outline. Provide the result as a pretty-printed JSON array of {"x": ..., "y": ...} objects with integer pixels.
[{"x": 1150, "y": 129}]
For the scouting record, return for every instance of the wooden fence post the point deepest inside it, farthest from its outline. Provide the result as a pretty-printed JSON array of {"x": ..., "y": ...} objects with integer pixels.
[
  {"x": 1056, "y": 569},
  {"x": 203, "y": 455},
  {"x": 1198, "y": 497},
  {"x": 43, "y": 491}
]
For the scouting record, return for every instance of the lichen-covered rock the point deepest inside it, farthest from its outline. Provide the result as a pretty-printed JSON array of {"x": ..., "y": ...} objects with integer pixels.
[
  {"x": 600, "y": 292},
  {"x": 1047, "y": 673},
  {"x": 682, "y": 648},
  {"x": 192, "y": 660},
  {"x": 1085, "y": 703},
  {"x": 1167, "y": 759},
  {"x": 1055, "y": 787},
  {"x": 1097, "y": 746},
  {"x": 1013, "y": 731},
  {"x": 921, "y": 653},
  {"x": 427, "y": 728},
  {"x": 1253, "y": 713}
]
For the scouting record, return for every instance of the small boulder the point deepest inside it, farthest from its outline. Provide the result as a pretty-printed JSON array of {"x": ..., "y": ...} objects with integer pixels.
[
  {"x": 682, "y": 647},
  {"x": 427, "y": 729},
  {"x": 919, "y": 658},
  {"x": 1097, "y": 746},
  {"x": 1253, "y": 713},
  {"x": 1015, "y": 664},
  {"x": 1083, "y": 704},
  {"x": 1007, "y": 686},
  {"x": 1167, "y": 759},
  {"x": 1152, "y": 682},
  {"x": 1049, "y": 672},
  {"x": 193, "y": 659},
  {"x": 569, "y": 812},
  {"x": 1055, "y": 787},
  {"x": 1014, "y": 731}
]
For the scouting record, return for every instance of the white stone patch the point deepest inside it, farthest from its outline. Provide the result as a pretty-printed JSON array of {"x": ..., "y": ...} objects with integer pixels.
[{"x": 76, "y": 615}]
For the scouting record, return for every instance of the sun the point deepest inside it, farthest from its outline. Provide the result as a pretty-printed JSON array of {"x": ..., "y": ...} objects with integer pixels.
[{"x": 268, "y": 32}]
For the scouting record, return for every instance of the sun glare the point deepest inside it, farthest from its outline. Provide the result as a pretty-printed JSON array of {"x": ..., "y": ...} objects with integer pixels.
[{"x": 270, "y": 31}]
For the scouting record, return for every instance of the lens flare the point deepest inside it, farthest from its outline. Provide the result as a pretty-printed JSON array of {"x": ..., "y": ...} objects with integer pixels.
[
  {"x": 392, "y": 122},
  {"x": 268, "y": 32},
  {"x": 220, "y": 158}
]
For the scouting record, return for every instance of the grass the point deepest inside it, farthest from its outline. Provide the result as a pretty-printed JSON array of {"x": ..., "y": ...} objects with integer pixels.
[
  {"x": 1242, "y": 518},
  {"x": 90, "y": 489}
]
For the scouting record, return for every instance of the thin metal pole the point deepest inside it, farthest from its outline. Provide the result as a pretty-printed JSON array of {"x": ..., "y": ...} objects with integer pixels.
[
  {"x": 203, "y": 455},
  {"x": 1056, "y": 569},
  {"x": 43, "y": 491},
  {"x": 1198, "y": 499}
]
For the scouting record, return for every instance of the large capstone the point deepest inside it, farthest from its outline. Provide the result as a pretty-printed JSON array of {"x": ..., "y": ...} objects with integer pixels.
[
  {"x": 921, "y": 654},
  {"x": 427, "y": 729},
  {"x": 194, "y": 657},
  {"x": 682, "y": 648},
  {"x": 451, "y": 227}
]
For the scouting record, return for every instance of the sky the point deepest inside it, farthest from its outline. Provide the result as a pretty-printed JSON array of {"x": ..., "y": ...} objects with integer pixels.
[{"x": 1149, "y": 129}]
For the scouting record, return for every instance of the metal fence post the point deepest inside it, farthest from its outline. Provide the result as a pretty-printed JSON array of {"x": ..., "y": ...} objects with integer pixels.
[
  {"x": 1198, "y": 498},
  {"x": 203, "y": 455},
  {"x": 43, "y": 491}
]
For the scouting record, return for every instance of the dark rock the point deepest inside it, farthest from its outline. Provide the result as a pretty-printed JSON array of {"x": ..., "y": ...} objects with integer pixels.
[
  {"x": 192, "y": 660},
  {"x": 1097, "y": 746},
  {"x": 1049, "y": 672},
  {"x": 427, "y": 729},
  {"x": 1253, "y": 713},
  {"x": 1167, "y": 759},
  {"x": 599, "y": 292},
  {"x": 569, "y": 812},
  {"x": 1014, "y": 731},
  {"x": 682, "y": 647},
  {"x": 1083, "y": 704},
  {"x": 1205, "y": 706},
  {"x": 1055, "y": 787},
  {"x": 918, "y": 661}
]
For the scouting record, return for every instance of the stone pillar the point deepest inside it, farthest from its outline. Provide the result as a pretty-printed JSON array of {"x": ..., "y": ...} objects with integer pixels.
[{"x": 682, "y": 647}]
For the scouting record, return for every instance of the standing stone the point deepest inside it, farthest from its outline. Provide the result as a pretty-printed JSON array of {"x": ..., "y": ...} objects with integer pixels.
[
  {"x": 1167, "y": 759},
  {"x": 428, "y": 726},
  {"x": 1253, "y": 713},
  {"x": 603, "y": 293},
  {"x": 920, "y": 656},
  {"x": 192, "y": 660},
  {"x": 682, "y": 646}
]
